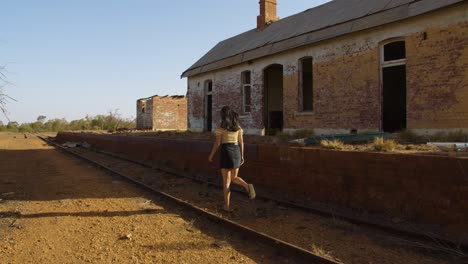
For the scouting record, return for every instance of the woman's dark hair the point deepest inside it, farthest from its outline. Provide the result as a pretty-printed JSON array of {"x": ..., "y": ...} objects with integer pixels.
[{"x": 229, "y": 119}]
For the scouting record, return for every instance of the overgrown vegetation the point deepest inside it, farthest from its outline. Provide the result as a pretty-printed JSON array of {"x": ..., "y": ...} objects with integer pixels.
[
  {"x": 110, "y": 122},
  {"x": 332, "y": 144}
]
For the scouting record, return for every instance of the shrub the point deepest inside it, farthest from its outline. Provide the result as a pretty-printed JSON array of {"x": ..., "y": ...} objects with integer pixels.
[
  {"x": 381, "y": 144},
  {"x": 332, "y": 144}
]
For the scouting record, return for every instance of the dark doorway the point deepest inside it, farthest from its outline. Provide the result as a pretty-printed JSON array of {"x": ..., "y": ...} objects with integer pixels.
[
  {"x": 208, "y": 106},
  {"x": 394, "y": 87},
  {"x": 394, "y": 98},
  {"x": 273, "y": 92}
]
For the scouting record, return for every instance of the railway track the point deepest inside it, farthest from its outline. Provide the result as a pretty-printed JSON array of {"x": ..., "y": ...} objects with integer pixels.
[
  {"x": 284, "y": 248},
  {"x": 287, "y": 248}
]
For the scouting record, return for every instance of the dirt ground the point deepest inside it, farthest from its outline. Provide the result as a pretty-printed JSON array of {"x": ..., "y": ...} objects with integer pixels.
[
  {"x": 56, "y": 209},
  {"x": 327, "y": 237}
]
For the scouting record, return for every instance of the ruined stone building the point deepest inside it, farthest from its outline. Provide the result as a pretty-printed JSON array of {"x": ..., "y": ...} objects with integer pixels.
[
  {"x": 162, "y": 113},
  {"x": 365, "y": 65}
]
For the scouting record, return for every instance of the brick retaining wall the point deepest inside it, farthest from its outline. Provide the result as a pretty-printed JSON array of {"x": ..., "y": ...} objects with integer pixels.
[{"x": 420, "y": 188}]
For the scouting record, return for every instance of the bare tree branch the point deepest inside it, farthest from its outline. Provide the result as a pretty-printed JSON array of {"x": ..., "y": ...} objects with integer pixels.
[{"x": 4, "y": 98}]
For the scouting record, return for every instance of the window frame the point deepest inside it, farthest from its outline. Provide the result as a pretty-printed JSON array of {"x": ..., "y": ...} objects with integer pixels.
[
  {"x": 385, "y": 64},
  {"x": 301, "y": 85},
  {"x": 245, "y": 84},
  {"x": 208, "y": 86},
  {"x": 143, "y": 107},
  {"x": 391, "y": 63}
]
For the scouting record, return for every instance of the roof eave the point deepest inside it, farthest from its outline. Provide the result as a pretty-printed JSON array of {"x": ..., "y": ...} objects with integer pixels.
[{"x": 367, "y": 22}]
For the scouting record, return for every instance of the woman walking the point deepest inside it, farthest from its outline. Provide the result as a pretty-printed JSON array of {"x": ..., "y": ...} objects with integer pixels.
[{"x": 229, "y": 137}]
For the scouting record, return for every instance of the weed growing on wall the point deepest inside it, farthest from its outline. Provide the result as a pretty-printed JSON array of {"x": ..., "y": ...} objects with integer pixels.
[{"x": 382, "y": 144}]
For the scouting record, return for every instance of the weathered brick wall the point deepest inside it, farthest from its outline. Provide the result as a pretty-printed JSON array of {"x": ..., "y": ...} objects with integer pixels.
[
  {"x": 421, "y": 189},
  {"x": 226, "y": 91},
  {"x": 347, "y": 89},
  {"x": 437, "y": 67},
  {"x": 145, "y": 120},
  {"x": 162, "y": 113},
  {"x": 170, "y": 113}
]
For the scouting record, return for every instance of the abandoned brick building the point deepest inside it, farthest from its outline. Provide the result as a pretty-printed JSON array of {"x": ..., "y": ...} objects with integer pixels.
[
  {"x": 161, "y": 113},
  {"x": 373, "y": 65}
]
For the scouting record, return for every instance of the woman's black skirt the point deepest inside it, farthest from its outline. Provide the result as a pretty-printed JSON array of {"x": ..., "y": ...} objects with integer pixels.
[{"x": 230, "y": 156}]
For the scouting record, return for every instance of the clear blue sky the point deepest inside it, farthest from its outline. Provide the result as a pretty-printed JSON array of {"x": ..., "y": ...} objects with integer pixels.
[{"x": 70, "y": 58}]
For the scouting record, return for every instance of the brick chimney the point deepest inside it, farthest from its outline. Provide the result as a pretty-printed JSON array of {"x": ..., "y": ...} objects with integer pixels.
[{"x": 267, "y": 14}]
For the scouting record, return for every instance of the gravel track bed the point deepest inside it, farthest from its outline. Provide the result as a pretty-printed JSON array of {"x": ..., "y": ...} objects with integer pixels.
[
  {"x": 327, "y": 237},
  {"x": 57, "y": 209}
]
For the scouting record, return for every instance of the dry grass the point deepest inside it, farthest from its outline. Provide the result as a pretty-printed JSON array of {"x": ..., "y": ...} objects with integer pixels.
[
  {"x": 406, "y": 142},
  {"x": 322, "y": 253},
  {"x": 332, "y": 144},
  {"x": 381, "y": 144},
  {"x": 437, "y": 246}
]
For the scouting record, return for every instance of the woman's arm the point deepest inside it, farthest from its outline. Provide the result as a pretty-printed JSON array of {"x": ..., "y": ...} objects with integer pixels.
[
  {"x": 241, "y": 145},
  {"x": 216, "y": 145}
]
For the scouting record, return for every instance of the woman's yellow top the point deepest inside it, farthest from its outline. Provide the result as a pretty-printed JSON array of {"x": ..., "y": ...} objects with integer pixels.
[{"x": 228, "y": 136}]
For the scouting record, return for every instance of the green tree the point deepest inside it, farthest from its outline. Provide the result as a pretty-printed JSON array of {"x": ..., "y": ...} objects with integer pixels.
[
  {"x": 12, "y": 126},
  {"x": 57, "y": 124},
  {"x": 41, "y": 119},
  {"x": 26, "y": 127},
  {"x": 80, "y": 124},
  {"x": 97, "y": 123}
]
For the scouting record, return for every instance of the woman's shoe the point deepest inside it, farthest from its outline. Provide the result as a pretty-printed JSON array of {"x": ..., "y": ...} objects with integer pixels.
[
  {"x": 251, "y": 191},
  {"x": 227, "y": 210}
]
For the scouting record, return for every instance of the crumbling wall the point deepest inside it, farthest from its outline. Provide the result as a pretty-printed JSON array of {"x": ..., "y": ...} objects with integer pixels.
[
  {"x": 169, "y": 113},
  {"x": 144, "y": 114},
  {"x": 196, "y": 103}
]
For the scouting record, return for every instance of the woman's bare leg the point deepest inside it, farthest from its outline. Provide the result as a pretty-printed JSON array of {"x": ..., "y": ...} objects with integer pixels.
[
  {"x": 226, "y": 184},
  {"x": 238, "y": 180}
]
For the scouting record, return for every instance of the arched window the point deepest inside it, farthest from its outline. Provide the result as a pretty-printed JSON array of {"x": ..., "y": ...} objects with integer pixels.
[
  {"x": 393, "y": 79},
  {"x": 208, "y": 87},
  {"x": 143, "y": 106},
  {"x": 393, "y": 53}
]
